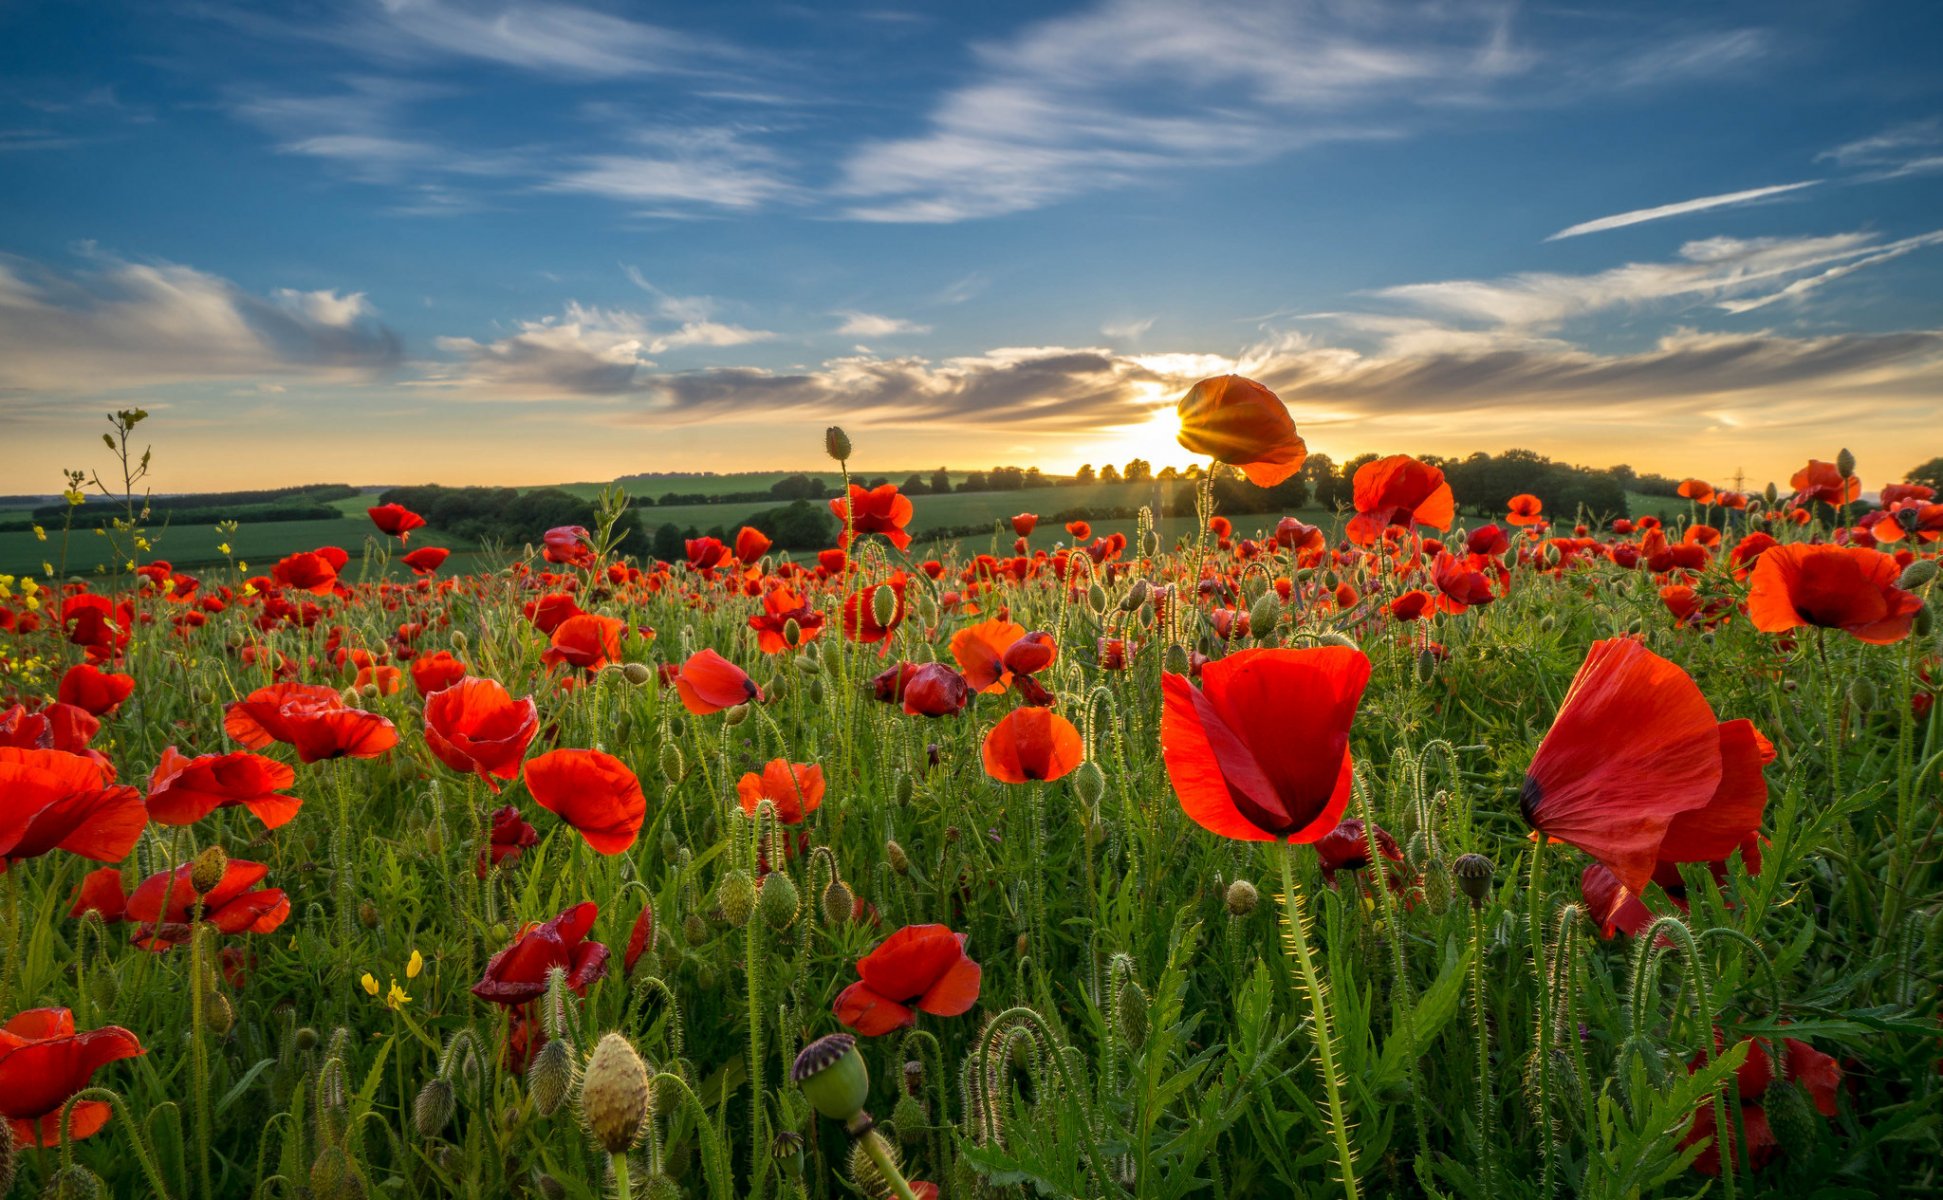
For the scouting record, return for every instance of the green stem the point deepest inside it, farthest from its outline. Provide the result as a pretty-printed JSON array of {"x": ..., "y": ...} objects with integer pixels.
[
  {"x": 620, "y": 1176},
  {"x": 1296, "y": 921},
  {"x": 1486, "y": 1106},
  {"x": 759, "y": 1158},
  {"x": 1543, "y": 1052},
  {"x": 873, "y": 1144},
  {"x": 198, "y": 1049}
]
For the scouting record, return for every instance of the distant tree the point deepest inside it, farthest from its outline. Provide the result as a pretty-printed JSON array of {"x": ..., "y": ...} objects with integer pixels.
[
  {"x": 940, "y": 482},
  {"x": 796, "y": 487},
  {"x": 1168, "y": 474},
  {"x": 1929, "y": 473},
  {"x": 668, "y": 543},
  {"x": 877, "y": 482},
  {"x": 1109, "y": 474},
  {"x": 1035, "y": 478},
  {"x": 1139, "y": 470},
  {"x": 974, "y": 482},
  {"x": 915, "y": 486},
  {"x": 1084, "y": 474},
  {"x": 1323, "y": 481},
  {"x": 1004, "y": 479},
  {"x": 798, "y": 526}
]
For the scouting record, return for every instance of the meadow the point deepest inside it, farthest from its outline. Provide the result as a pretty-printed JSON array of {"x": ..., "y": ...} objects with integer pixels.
[{"x": 1376, "y": 852}]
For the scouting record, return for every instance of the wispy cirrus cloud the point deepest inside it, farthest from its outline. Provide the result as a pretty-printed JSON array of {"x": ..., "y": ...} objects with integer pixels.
[
  {"x": 876, "y": 325},
  {"x": 1912, "y": 148},
  {"x": 703, "y": 167},
  {"x": 1639, "y": 216}
]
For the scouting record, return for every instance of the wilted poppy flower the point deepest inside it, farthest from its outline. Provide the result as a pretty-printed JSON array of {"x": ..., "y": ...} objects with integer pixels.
[
  {"x": 93, "y": 690},
  {"x": 1399, "y": 492},
  {"x": 1347, "y": 847},
  {"x": 1239, "y": 422},
  {"x": 585, "y": 640},
  {"x": 184, "y": 790},
  {"x": 1032, "y": 743},
  {"x": 166, "y": 900},
  {"x": 1260, "y": 751},
  {"x": 476, "y": 727},
  {"x": 432, "y": 672},
  {"x": 934, "y": 690},
  {"x": 44, "y": 1062},
  {"x": 512, "y": 835},
  {"x": 922, "y": 967},
  {"x": 53, "y": 800},
  {"x": 518, "y": 974},
  {"x": 796, "y": 789},
  {"x": 396, "y": 520},
  {"x": 1525, "y": 509},
  {"x": 1833, "y": 587},
  {"x": 307, "y": 571},
  {"x": 1025, "y": 523},
  {"x": 1031, "y": 654},
  {"x": 426, "y": 559},
  {"x": 878, "y": 510},
  {"x": 708, "y": 683},
  {"x": 1823, "y": 481},
  {"x": 1614, "y": 797},
  {"x": 592, "y": 791},
  {"x": 980, "y": 651},
  {"x": 751, "y": 544}
]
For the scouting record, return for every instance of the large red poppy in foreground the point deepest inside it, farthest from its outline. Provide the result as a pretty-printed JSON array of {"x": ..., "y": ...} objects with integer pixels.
[
  {"x": 53, "y": 800},
  {"x": 592, "y": 791},
  {"x": 475, "y": 726},
  {"x": 1850, "y": 588},
  {"x": 920, "y": 967},
  {"x": 43, "y": 1062},
  {"x": 184, "y": 790}
]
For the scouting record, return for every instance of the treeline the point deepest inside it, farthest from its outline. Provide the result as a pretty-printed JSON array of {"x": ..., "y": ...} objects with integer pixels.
[
  {"x": 506, "y": 516},
  {"x": 228, "y": 503}
]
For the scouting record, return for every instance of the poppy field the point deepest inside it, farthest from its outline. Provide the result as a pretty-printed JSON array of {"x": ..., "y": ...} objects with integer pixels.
[{"x": 1560, "y": 854}]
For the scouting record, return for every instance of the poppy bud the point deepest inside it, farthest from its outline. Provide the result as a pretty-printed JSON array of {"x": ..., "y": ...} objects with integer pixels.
[
  {"x": 636, "y": 673},
  {"x": 614, "y": 1096},
  {"x": 1176, "y": 657},
  {"x": 459, "y": 640},
  {"x": 836, "y": 443},
  {"x": 219, "y": 1015},
  {"x": 1546, "y": 622},
  {"x": 1916, "y": 574},
  {"x": 433, "y": 1109},
  {"x": 74, "y": 1181},
  {"x": 1135, "y": 597},
  {"x": 913, "y": 1077},
  {"x": 368, "y": 915},
  {"x": 1924, "y": 622},
  {"x": 694, "y": 929},
  {"x": 332, "y": 1177},
  {"x": 899, "y": 861},
  {"x": 1862, "y": 694},
  {"x": 550, "y": 1076},
  {"x": 1131, "y": 1013},
  {"x": 736, "y": 895},
  {"x": 673, "y": 769},
  {"x": 906, "y": 787},
  {"x": 208, "y": 869},
  {"x": 833, "y": 1077},
  {"x": 883, "y": 604},
  {"x": 305, "y": 1039},
  {"x": 838, "y": 902},
  {"x": 1845, "y": 462},
  {"x": 865, "y": 1175},
  {"x": 792, "y": 632},
  {"x": 736, "y": 715},
  {"x": 777, "y": 687},
  {"x": 1089, "y": 782},
  {"x": 816, "y": 691},
  {"x": 1790, "y": 1115},
  {"x": 779, "y": 900},
  {"x": 1264, "y": 613},
  {"x": 1426, "y": 666},
  {"x": 1241, "y": 898},
  {"x": 1473, "y": 872},
  {"x": 909, "y": 1119}
]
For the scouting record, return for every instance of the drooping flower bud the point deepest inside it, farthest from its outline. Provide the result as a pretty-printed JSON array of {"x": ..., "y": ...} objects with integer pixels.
[
  {"x": 838, "y": 901},
  {"x": 895, "y": 856},
  {"x": 432, "y": 1110},
  {"x": 637, "y": 673},
  {"x": 550, "y": 1076},
  {"x": 1131, "y": 1013},
  {"x": 736, "y": 894},
  {"x": 1089, "y": 783},
  {"x": 1919, "y": 572},
  {"x": 1790, "y": 1115}
]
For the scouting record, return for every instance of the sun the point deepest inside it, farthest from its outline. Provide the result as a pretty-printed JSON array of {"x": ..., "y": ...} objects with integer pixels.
[{"x": 1153, "y": 438}]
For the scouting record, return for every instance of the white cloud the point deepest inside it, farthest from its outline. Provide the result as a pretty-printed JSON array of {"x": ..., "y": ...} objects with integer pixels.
[
  {"x": 1127, "y": 331},
  {"x": 1703, "y": 204},
  {"x": 585, "y": 351},
  {"x": 872, "y": 325},
  {"x": 1914, "y": 148},
  {"x": 548, "y": 38},
  {"x": 708, "y": 167}
]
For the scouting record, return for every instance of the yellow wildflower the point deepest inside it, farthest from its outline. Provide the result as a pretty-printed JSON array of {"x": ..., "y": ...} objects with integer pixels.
[
  {"x": 414, "y": 965},
  {"x": 396, "y": 998},
  {"x": 370, "y": 984},
  {"x": 40, "y": 534}
]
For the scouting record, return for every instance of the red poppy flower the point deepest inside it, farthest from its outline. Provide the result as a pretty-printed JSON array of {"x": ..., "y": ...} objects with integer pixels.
[
  {"x": 1239, "y": 422},
  {"x": 1801, "y": 1064},
  {"x": 704, "y": 554},
  {"x": 1833, "y": 587},
  {"x": 44, "y": 1062},
  {"x": 1031, "y": 654},
  {"x": 518, "y": 974},
  {"x": 551, "y": 611},
  {"x": 1024, "y": 524},
  {"x": 1347, "y": 847},
  {"x": 395, "y": 520},
  {"x": 860, "y": 623},
  {"x": 184, "y": 790},
  {"x": 796, "y": 789},
  {"x": 257, "y": 719},
  {"x": 1079, "y": 530},
  {"x": 475, "y": 726},
  {"x": 592, "y": 791},
  {"x": 585, "y": 640},
  {"x": 751, "y": 544},
  {"x": 54, "y": 800},
  {"x": 708, "y": 683},
  {"x": 1032, "y": 743},
  {"x": 568, "y": 545},
  {"x": 319, "y": 732},
  {"x": 980, "y": 651},
  {"x": 1697, "y": 490},
  {"x": 307, "y": 571},
  {"x": 921, "y": 967},
  {"x": 426, "y": 559},
  {"x": 234, "y": 905},
  {"x": 1823, "y": 481},
  {"x": 1525, "y": 509},
  {"x": 933, "y": 690},
  {"x": 639, "y": 938},
  {"x": 93, "y": 690},
  {"x": 1461, "y": 581},
  {"x": 1399, "y": 492},
  {"x": 432, "y": 672},
  {"x": 1411, "y": 605},
  {"x": 1747, "y": 552},
  {"x": 511, "y": 836},
  {"x": 1487, "y": 539},
  {"x": 385, "y": 679},
  {"x": 1615, "y": 798},
  {"x": 878, "y": 510},
  {"x": 1261, "y": 751}
]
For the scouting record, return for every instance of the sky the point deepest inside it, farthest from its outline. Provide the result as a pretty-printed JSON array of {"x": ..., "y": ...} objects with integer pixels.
[{"x": 397, "y": 241}]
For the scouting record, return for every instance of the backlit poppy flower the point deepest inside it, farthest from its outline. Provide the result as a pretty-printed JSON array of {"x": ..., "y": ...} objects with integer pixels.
[
  {"x": 1079, "y": 531},
  {"x": 511, "y": 836},
  {"x": 426, "y": 559},
  {"x": 1801, "y": 1064},
  {"x": 920, "y": 967},
  {"x": 751, "y": 544},
  {"x": 385, "y": 680},
  {"x": 1031, "y": 654},
  {"x": 184, "y": 790},
  {"x": 1032, "y": 744},
  {"x": 1832, "y": 587},
  {"x": 1239, "y": 422},
  {"x": 93, "y": 690},
  {"x": 1610, "y": 905},
  {"x": 879, "y": 510},
  {"x": 796, "y": 789},
  {"x": 551, "y": 611},
  {"x": 307, "y": 571},
  {"x": 585, "y": 640},
  {"x": 934, "y": 690},
  {"x": 1525, "y": 509},
  {"x": 1221, "y": 527},
  {"x": 256, "y": 720},
  {"x": 1460, "y": 581},
  {"x": 1487, "y": 539},
  {"x": 639, "y": 938},
  {"x": 1731, "y": 818},
  {"x": 1615, "y": 798},
  {"x": 165, "y": 901},
  {"x": 1823, "y": 481},
  {"x": 1411, "y": 605},
  {"x": 431, "y": 672},
  {"x": 704, "y": 554},
  {"x": 780, "y": 606},
  {"x": 708, "y": 683},
  {"x": 860, "y": 623},
  {"x": 1747, "y": 552},
  {"x": 319, "y": 732},
  {"x": 980, "y": 651},
  {"x": 1024, "y": 524},
  {"x": 518, "y": 974},
  {"x": 568, "y": 545},
  {"x": 53, "y": 800},
  {"x": 1697, "y": 490},
  {"x": 1298, "y": 538},
  {"x": 1399, "y": 492},
  {"x": 44, "y": 1062},
  {"x": 396, "y": 520},
  {"x": 592, "y": 791},
  {"x": 1260, "y": 752},
  {"x": 476, "y": 727}
]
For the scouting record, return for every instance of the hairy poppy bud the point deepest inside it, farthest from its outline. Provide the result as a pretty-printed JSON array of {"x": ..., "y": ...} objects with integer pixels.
[
  {"x": 1772, "y": 495},
  {"x": 1241, "y": 898},
  {"x": 883, "y": 604},
  {"x": 1176, "y": 660},
  {"x": 305, "y": 1039},
  {"x": 1264, "y": 614},
  {"x": 1845, "y": 462},
  {"x": 1916, "y": 574},
  {"x": 673, "y": 768},
  {"x": 208, "y": 870},
  {"x": 1426, "y": 666},
  {"x": 838, "y": 902},
  {"x": 1131, "y": 1013},
  {"x": 895, "y": 856},
  {"x": 550, "y": 1076},
  {"x": 792, "y": 632},
  {"x": 694, "y": 929},
  {"x": 1089, "y": 782},
  {"x": 909, "y": 1119},
  {"x": 333, "y": 1177},
  {"x": 1862, "y": 693},
  {"x": 368, "y": 915},
  {"x": 833, "y": 1077},
  {"x": 836, "y": 443},
  {"x": 779, "y": 900},
  {"x": 868, "y": 1178},
  {"x": 72, "y": 1182},
  {"x": 1473, "y": 872},
  {"x": 432, "y": 1110},
  {"x": 614, "y": 1095},
  {"x": 636, "y": 673},
  {"x": 905, "y": 788},
  {"x": 220, "y": 1015},
  {"x": 1790, "y": 1115},
  {"x": 459, "y": 639},
  {"x": 736, "y": 895}
]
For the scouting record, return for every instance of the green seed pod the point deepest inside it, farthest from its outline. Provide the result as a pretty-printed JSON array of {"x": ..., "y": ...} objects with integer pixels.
[
  {"x": 1919, "y": 572},
  {"x": 779, "y": 900},
  {"x": 1241, "y": 898},
  {"x": 1096, "y": 599},
  {"x": 787, "y": 1149},
  {"x": 637, "y": 673},
  {"x": 909, "y": 1121},
  {"x": 1131, "y": 1013},
  {"x": 792, "y": 632},
  {"x": 208, "y": 869},
  {"x": 674, "y": 768},
  {"x": 550, "y": 1076},
  {"x": 305, "y": 1039},
  {"x": 1426, "y": 666},
  {"x": 1264, "y": 614},
  {"x": 1862, "y": 693},
  {"x": 836, "y": 444},
  {"x": 333, "y": 1176},
  {"x": 1845, "y": 462},
  {"x": 1089, "y": 783},
  {"x": 883, "y": 604},
  {"x": 614, "y": 1096},
  {"x": 736, "y": 895},
  {"x": 432, "y": 1110},
  {"x": 895, "y": 856},
  {"x": 1772, "y": 495},
  {"x": 694, "y": 929},
  {"x": 1790, "y": 1115},
  {"x": 838, "y": 902},
  {"x": 1175, "y": 660},
  {"x": 1473, "y": 872},
  {"x": 219, "y": 1014},
  {"x": 833, "y": 1076}
]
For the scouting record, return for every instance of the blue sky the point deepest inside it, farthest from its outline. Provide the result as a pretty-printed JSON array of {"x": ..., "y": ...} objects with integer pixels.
[{"x": 525, "y": 242}]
